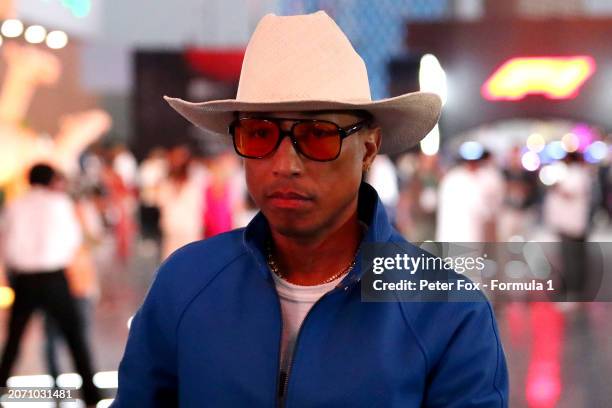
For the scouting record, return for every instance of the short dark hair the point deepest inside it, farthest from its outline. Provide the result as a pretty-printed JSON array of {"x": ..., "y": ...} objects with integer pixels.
[{"x": 41, "y": 174}]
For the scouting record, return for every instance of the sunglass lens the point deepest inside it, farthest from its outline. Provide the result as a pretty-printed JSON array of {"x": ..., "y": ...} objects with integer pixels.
[
  {"x": 255, "y": 137},
  {"x": 318, "y": 140}
]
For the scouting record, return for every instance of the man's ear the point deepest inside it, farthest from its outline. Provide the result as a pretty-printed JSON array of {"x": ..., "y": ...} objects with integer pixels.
[{"x": 372, "y": 141}]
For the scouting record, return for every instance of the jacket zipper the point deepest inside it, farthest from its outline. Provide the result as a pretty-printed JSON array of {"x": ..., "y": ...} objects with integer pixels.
[
  {"x": 282, "y": 392},
  {"x": 277, "y": 389}
]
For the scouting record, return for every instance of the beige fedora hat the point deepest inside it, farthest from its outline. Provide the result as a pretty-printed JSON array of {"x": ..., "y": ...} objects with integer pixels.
[{"x": 306, "y": 63}]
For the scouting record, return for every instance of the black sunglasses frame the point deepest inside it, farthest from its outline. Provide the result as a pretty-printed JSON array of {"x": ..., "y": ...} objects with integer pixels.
[{"x": 343, "y": 133}]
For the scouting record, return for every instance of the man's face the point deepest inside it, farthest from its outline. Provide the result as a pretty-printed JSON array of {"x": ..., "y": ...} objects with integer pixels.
[{"x": 302, "y": 197}]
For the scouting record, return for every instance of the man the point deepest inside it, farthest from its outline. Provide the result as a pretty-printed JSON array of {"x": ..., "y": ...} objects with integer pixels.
[
  {"x": 180, "y": 199},
  {"x": 471, "y": 195},
  {"x": 567, "y": 212},
  {"x": 39, "y": 238},
  {"x": 271, "y": 315}
]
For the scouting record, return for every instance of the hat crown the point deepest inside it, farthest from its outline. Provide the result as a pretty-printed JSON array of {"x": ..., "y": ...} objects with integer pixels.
[{"x": 299, "y": 58}]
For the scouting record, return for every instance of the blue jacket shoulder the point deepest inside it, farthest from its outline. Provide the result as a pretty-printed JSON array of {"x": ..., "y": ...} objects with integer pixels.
[
  {"x": 192, "y": 267},
  {"x": 195, "y": 264}
]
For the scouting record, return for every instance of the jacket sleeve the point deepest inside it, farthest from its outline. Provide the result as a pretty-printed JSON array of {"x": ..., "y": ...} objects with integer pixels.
[
  {"x": 471, "y": 371},
  {"x": 147, "y": 372}
]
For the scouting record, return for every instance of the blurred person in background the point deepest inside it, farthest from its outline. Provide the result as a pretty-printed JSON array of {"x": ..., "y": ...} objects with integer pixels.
[
  {"x": 493, "y": 189},
  {"x": 152, "y": 171},
  {"x": 566, "y": 212},
  {"x": 223, "y": 194},
  {"x": 604, "y": 175},
  {"x": 92, "y": 164},
  {"x": 520, "y": 196},
  {"x": 181, "y": 202},
  {"x": 121, "y": 205},
  {"x": 383, "y": 177},
  {"x": 463, "y": 212},
  {"x": 125, "y": 165},
  {"x": 39, "y": 239},
  {"x": 272, "y": 315},
  {"x": 418, "y": 202},
  {"x": 81, "y": 273}
]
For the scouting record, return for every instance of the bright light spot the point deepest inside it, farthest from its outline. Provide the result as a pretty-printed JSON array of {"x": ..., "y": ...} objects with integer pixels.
[
  {"x": 471, "y": 150},
  {"x": 7, "y": 296},
  {"x": 555, "y": 150},
  {"x": 105, "y": 403},
  {"x": 35, "y": 34},
  {"x": 544, "y": 386},
  {"x": 553, "y": 77},
  {"x": 586, "y": 135},
  {"x": 30, "y": 381},
  {"x": 69, "y": 380},
  {"x": 57, "y": 40},
  {"x": 535, "y": 142},
  {"x": 432, "y": 77},
  {"x": 530, "y": 161},
  {"x": 570, "y": 142},
  {"x": 12, "y": 28},
  {"x": 129, "y": 322},
  {"x": 106, "y": 379},
  {"x": 431, "y": 143},
  {"x": 596, "y": 152},
  {"x": 547, "y": 176},
  {"x": 545, "y": 158},
  {"x": 553, "y": 173},
  {"x": 78, "y": 8}
]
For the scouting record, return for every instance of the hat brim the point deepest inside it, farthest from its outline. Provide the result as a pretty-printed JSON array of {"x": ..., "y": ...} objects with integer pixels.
[{"x": 404, "y": 119}]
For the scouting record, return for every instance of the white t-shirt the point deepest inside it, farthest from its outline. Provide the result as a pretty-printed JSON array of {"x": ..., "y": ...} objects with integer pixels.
[
  {"x": 463, "y": 209},
  {"x": 295, "y": 302},
  {"x": 40, "y": 232},
  {"x": 569, "y": 213}
]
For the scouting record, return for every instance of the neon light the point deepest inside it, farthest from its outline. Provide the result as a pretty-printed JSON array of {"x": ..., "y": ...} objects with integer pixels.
[
  {"x": 78, "y": 8},
  {"x": 552, "y": 77}
]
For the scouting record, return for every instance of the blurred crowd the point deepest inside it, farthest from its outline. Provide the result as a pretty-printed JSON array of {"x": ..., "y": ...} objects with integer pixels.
[
  {"x": 168, "y": 200},
  {"x": 480, "y": 197},
  {"x": 173, "y": 197}
]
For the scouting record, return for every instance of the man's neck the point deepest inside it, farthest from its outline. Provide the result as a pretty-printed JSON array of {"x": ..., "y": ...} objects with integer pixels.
[{"x": 313, "y": 260}]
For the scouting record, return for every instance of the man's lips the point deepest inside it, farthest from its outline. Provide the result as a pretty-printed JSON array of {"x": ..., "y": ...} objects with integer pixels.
[
  {"x": 289, "y": 195},
  {"x": 289, "y": 199}
]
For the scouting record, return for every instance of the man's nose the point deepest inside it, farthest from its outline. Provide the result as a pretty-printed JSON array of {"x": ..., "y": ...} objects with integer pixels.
[{"x": 286, "y": 160}]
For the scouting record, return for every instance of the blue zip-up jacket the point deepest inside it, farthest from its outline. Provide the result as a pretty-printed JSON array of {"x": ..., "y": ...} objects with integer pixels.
[{"x": 209, "y": 332}]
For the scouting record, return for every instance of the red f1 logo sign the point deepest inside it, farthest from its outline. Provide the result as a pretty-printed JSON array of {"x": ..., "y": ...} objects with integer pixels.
[{"x": 553, "y": 77}]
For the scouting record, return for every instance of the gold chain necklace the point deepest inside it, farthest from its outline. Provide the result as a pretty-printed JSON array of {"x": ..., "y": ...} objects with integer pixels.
[{"x": 276, "y": 270}]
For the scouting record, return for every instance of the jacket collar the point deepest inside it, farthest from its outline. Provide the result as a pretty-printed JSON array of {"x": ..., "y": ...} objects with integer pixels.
[{"x": 370, "y": 210}]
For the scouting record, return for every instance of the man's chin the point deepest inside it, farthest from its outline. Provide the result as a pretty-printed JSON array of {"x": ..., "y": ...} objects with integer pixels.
[
  {"x": 293, "y": 227},
  {"x": 293, "y": 232}
]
